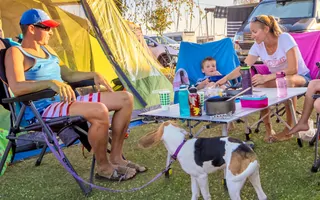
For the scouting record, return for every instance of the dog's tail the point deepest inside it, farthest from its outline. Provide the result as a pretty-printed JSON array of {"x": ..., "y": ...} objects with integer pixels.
[{"x": 247, "y": 172}]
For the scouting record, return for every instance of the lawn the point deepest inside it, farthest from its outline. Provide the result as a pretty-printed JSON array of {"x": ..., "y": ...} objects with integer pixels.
[{"x": 285, "y": 172}]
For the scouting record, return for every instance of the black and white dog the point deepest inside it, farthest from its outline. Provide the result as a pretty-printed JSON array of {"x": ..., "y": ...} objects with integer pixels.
[{"x": 201, "y": 156}]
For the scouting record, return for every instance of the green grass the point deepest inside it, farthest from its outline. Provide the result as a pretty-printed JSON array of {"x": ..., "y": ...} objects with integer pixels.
[{"x": 285, "y": 173}]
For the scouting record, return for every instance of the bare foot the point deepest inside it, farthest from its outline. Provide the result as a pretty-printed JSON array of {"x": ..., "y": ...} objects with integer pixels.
[
  {"x": 282, "y": 136},
  {"x": 268, "y": 137},
  {"x": 299, "y": 127},
  {"x": 231, "y": 126},
  {"x": 118, "y": 161}
]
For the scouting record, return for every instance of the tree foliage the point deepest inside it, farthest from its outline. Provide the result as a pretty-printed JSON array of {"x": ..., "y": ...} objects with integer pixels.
[
  {"x": 156, "y": 15},
  {"x": 160, "y": 18}
]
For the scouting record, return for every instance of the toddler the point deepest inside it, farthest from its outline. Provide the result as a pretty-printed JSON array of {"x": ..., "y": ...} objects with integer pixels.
[{"x": 209, "y": 68}]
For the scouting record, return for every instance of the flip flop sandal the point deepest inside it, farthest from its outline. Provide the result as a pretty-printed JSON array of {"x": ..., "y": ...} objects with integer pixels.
[
  {"x": 115, "y": 176},
  {"x": 137, "y": 167}
]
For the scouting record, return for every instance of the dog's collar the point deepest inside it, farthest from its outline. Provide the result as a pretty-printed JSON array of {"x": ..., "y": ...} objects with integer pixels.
[{"x": 174, "y": 156}]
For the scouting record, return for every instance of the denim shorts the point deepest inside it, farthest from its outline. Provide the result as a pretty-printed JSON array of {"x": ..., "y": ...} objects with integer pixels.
[{"x": 307, "y": 77}]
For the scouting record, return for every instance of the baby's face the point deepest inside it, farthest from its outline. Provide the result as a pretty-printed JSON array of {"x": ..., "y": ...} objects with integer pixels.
[{"x": 209, "y": 67}]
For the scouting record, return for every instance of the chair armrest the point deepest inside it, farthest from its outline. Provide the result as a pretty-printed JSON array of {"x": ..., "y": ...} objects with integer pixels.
[
  {"x": 47, "y": 93},
  {"x": 83, "y": 83},
  {"x": 316, "y": 96}
]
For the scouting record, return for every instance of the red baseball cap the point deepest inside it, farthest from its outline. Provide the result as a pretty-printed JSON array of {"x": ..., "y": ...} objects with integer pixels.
[{"x": 37, "y": 16}]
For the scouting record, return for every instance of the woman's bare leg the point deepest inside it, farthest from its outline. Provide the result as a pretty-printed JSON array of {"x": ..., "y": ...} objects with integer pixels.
[
  {"x": 267, "y": 124},
  {"x": 313, "y": 88},
  {"x": 317, "y": 105},
  {"x": 292, "y": 81},
  {"x": 266, "y": 113}
]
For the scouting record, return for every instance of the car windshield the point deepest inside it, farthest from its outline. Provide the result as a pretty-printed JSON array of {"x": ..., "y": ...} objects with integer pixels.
[
  {"x": 289, "y": 9},
  {"x": 164, "y": 40}
]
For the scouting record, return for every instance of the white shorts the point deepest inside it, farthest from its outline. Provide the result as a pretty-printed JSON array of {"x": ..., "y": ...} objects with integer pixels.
[{"x": 60, "y": 109}]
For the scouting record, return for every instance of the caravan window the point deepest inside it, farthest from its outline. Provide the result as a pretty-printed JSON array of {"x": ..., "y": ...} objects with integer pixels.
[{"x": 289, "y": 9}]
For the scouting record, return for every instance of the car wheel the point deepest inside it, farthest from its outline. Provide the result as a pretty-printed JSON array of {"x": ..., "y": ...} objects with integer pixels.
[{"x": 164, "y": 60}]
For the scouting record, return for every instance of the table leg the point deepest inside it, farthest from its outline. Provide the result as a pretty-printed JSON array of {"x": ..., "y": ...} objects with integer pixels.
[
  {"x": 247, "y": 128},
  {"x": 293, "y": 112},
  {"x": 225, "y": 129},
  {"x": 190, "y": 129},
  {"x": 295, "y": 121}
]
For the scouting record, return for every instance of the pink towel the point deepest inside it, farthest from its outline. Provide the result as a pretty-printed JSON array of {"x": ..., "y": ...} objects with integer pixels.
[{"x": 180, "y": 78}]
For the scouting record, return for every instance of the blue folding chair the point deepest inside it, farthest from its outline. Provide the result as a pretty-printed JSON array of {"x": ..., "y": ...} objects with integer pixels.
[{"x": 192, "y": 54}]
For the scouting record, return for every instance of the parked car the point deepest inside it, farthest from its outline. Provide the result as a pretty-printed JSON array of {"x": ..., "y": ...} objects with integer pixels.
[
  {"x": 164, "y": 49},
  {"x": 294, "y": 15}
]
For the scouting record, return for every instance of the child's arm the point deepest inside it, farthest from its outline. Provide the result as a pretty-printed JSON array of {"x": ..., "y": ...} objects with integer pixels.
[{"x": 202, "y": 84}]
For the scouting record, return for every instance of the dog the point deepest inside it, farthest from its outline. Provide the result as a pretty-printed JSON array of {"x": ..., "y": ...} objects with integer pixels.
[{"x": 200, "y": 156}]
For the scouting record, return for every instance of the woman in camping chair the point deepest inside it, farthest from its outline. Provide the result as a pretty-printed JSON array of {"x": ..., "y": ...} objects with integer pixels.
[
  {"x": 279, "y": 52},
  {"x": 34, "y": 66}
]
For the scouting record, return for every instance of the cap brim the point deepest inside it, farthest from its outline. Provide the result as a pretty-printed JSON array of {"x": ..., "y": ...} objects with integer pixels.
[{"x": 50, "y": 23}]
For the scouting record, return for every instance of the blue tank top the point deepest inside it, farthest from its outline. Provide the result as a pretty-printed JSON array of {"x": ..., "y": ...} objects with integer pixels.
[{"x": 43, "y": 69}]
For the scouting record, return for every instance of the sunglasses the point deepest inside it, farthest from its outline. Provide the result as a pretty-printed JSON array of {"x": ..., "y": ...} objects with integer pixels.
[
  {"x": 46, "y": 28},
  {"x": 256, "y": 19}
]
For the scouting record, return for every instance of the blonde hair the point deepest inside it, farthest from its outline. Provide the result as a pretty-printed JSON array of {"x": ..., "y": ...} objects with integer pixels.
[
  {"x": 271, "y": 22},
  {"x": 209, "y": 58}
]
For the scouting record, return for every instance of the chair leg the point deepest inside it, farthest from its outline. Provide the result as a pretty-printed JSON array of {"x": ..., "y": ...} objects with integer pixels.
[
  {"x": 316, "y": 163},
  {"x": 43, "y": 151},
  {"x": 5, "y": 155},
  {"x": 86, "y": 190},
  {"x": 92, "y": 168}
]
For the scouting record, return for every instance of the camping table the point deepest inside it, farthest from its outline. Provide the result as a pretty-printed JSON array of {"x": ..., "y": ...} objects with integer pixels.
[
  {"x": 273, "y": 100},
  {"x": 173, "y": 112}
]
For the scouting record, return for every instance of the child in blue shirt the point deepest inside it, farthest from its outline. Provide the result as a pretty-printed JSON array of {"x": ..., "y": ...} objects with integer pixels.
[{"x": 209, "y": 68}]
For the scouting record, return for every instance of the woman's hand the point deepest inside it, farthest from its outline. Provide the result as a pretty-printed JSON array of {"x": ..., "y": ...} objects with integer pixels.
[
  {"x": 64, "y": 90},
  {"x": 222, "y": 81},
  {"x": 258, "y": 79},
  {"x": 99, "y": 80}
]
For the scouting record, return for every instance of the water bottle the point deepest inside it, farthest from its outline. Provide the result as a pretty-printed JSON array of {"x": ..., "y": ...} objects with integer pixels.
[
  {"x": 183, "y": 101},
  {"x": 194, "y": 102},
  {"x": 281, "y": 85},
  {"x": 246, "y": 78}
]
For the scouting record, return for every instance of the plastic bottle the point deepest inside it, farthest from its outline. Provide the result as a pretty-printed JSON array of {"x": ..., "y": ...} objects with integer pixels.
[
  {"x": 281, "y": 85},
  {"x": 246, "y": 78},
  {"x": 183, "y": 101},
  {"x": 194, "y": 102}
]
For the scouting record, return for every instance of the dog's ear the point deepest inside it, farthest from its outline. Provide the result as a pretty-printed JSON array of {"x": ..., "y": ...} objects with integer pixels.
[{"x": 153, "y": 138}]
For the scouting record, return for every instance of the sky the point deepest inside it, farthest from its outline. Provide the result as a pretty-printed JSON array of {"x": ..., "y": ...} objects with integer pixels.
[{"x": 209, "y": 3}]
